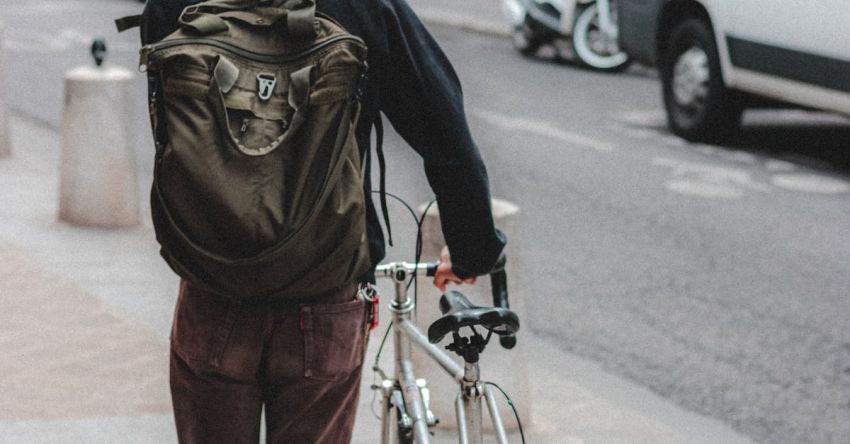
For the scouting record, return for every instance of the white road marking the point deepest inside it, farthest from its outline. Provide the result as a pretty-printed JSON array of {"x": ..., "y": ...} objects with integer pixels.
[
  {"x": 740, "y": 157},
  {"x": 704, "y": 180},
  {"x": 674, "y": 141},
  {"x": 779, "y": 166},
  {"x": 810, "y": 183},
  {"x": 640, "y": 124},
  {"x": 542, "y": 128},
  {"x": 649, "y": 117},
  {"x": 708, "y": 150},
  {"x": 638, "y": 133},
  {"x": 703, "y": 189}
]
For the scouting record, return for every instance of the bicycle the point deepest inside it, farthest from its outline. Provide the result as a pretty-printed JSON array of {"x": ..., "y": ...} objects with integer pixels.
[{"x": 407, "y": 398}]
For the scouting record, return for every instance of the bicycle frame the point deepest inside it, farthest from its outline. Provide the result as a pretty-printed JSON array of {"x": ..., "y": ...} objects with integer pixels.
[{"x": 412, "y": 407}]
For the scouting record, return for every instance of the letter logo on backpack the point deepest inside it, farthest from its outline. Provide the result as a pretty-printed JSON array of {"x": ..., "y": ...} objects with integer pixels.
[{"x": 266, "y": 84}]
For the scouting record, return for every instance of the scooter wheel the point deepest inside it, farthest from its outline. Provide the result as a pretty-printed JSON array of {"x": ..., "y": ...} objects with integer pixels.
[{"x": 592, "y": 49}]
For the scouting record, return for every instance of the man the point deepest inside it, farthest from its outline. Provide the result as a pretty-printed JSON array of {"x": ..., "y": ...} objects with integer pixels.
[{"x": 230, "y": 359}]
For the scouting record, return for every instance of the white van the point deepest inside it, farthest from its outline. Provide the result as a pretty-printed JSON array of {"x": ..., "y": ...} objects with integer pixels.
[{"x": 717, "y": 57}]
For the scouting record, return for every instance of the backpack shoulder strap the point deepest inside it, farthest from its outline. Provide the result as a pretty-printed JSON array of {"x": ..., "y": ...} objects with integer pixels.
[{"x": 382, "y": 165}]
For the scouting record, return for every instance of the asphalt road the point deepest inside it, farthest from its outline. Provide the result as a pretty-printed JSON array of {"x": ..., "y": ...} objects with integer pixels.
[{"x": 716, "y": 276}]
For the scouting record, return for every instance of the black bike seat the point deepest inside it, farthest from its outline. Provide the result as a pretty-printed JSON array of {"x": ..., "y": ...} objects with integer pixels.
[{"x": 459, "y": 312}]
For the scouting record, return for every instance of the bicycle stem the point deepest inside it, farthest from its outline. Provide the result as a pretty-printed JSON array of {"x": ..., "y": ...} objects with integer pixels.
[
  {"x": 399, "y": 272},
  {"x": 402, "y": 308}
]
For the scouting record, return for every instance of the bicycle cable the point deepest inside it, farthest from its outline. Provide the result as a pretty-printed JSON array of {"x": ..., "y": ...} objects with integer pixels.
[
  {"x": 510, "y": 403},
  {"x": 417, "y": 256}
]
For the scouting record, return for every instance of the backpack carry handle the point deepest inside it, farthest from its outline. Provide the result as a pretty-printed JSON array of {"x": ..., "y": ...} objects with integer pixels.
[
  {"x": 300, "y": 15},
  {"x": 223, "y": 79}
]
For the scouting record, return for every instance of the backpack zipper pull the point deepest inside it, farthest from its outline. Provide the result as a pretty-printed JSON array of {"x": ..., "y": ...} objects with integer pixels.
[
  {"x": 244, "y": 126},
  {"x": 144, "y": 56}
]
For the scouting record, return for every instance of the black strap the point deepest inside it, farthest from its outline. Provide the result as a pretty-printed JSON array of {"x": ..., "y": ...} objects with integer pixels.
[
  {"x": 160, "y": 135},
  {"x": 129, "y": 22},
  {"x": 382, "y": 165}
]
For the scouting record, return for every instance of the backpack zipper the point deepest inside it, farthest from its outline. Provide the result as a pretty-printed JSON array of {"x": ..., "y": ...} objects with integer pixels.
[{"x": 147, "y": 50}]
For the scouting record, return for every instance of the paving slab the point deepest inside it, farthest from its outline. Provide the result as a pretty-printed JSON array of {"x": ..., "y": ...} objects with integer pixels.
[
  {"x": 141, "y": 429},
  {"x": 65, "y": 355}
]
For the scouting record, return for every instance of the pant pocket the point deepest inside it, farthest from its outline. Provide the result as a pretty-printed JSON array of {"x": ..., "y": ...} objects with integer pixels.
[
  {"x": 333, "y": 338},
  {"x": 202, "y": 325}
]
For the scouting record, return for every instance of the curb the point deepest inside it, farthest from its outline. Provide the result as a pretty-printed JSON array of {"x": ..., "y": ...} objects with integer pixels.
[{"x": 442, "y": 19}]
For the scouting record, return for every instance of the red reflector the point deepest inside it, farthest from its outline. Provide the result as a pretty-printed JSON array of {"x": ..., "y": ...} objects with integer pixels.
[{"x": 375, "y": 306}]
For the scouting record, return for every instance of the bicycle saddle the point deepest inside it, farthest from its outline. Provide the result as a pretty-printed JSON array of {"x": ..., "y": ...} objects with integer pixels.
[{"x": 459, "y": 312}]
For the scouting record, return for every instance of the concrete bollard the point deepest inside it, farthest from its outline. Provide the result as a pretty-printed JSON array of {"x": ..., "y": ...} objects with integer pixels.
[
  {"x": 5, "y": 138},
  {"x": 97, "y": 178},
  {"x": 504, "y": 367}
]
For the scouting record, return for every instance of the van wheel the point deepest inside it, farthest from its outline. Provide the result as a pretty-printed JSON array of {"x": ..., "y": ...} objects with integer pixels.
[{"x": 699, "y": 107}]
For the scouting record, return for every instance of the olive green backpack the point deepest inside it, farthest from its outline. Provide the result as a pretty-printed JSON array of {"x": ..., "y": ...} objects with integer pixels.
[{"x": 258, "y": 187}]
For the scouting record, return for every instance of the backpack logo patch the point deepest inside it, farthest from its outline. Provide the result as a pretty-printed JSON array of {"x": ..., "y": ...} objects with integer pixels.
[{"x": 265, "y": 85}]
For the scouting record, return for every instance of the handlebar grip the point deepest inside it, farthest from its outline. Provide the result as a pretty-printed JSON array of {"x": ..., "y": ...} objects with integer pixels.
[
  {"x": 499, "y": 286},
  {"x": 500, "y": 263}
]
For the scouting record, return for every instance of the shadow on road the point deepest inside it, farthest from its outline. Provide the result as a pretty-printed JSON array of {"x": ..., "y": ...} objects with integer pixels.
[
  {"x": 822, "y": 146},
  {"x": 816, "y": 140},
  {"x": 562, "y": 54}
]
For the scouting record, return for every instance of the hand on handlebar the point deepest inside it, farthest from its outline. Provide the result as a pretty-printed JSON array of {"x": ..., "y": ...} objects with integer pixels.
[{"x": 445, "y": 274}]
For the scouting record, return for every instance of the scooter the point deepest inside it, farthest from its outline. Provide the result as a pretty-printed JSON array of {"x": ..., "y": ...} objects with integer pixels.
[{"x": 590, "y": 25}]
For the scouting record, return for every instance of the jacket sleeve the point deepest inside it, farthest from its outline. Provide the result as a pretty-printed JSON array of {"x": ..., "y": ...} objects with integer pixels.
[
  {"x": 421, "y": 96},
  {"x": 160, "y": 18}
]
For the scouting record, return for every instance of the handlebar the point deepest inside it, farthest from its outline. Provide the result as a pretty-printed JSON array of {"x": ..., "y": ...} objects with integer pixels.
[{"x": 401, "y": 271}]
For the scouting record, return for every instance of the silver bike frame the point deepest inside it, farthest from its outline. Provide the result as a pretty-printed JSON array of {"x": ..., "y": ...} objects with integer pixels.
[{"x": 413, "y": 393}]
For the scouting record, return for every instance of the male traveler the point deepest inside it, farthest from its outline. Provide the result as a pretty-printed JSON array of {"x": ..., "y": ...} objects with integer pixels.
[{"x": 231, "y": 360}]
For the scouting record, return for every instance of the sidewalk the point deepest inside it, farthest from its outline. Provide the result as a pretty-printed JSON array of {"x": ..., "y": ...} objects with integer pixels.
[
  {"x": 83, "y": 337},
  {"x": 481, "y": 16}
]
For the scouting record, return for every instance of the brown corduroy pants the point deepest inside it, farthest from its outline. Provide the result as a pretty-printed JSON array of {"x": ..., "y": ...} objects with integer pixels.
[{"x": 301, "y": 360}]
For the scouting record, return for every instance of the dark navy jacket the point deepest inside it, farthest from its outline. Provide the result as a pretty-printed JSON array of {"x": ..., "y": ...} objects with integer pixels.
[{"x": 412, "y": 82}]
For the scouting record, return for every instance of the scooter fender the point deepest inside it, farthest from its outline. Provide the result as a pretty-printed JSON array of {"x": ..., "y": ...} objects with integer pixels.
[
  {"x": 515, "y": 11},
  {"x": 569, "y": 9}
]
